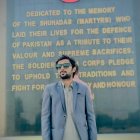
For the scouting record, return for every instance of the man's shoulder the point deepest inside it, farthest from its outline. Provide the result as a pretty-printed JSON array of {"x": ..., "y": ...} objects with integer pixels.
[
  {"x": 50, "y": 87},
  {"x": 81, "y": 84},
  {"x": 52, "y": 84}
]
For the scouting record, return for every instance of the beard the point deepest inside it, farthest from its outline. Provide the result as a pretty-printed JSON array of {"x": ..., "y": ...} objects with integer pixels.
[{"x": 65, "y": 76}]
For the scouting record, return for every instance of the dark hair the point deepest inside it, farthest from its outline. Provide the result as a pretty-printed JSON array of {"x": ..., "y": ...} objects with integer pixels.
[
  {"x": 77, "y": 69},
  {"x": 72, "y": 61}
]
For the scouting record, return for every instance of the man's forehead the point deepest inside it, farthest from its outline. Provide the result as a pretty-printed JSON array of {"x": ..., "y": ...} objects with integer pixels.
[{"x": 64, "y": 61}]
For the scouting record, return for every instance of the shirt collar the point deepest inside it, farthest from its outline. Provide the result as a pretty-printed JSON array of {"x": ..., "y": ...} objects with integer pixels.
[{"x": 71, "y": 86}]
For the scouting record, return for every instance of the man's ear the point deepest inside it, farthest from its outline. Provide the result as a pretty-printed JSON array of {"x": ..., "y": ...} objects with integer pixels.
[{"x": 74, "y": 69}]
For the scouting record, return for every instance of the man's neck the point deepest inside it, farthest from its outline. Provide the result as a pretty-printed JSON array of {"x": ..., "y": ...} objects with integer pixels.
[{"x": 67, "y": 82}]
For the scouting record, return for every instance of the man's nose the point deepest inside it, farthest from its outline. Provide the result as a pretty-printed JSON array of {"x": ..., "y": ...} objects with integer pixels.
[{"x": 62, "y": 67}]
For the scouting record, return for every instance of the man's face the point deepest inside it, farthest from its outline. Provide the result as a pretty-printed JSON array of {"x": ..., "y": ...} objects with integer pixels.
[{"x": 64, "y": 68}]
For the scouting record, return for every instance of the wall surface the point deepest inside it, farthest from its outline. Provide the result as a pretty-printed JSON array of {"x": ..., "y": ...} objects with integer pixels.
[
  {"x": 3, "y": 91},
  {"x": 2, "y": 65}
]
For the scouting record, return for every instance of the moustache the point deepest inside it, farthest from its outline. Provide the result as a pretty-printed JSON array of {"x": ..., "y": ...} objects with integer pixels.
[{"x": 63, "y": 72}]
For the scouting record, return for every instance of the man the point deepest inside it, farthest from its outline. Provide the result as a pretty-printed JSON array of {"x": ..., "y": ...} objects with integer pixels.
[{"x": 67, "y": 110}]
